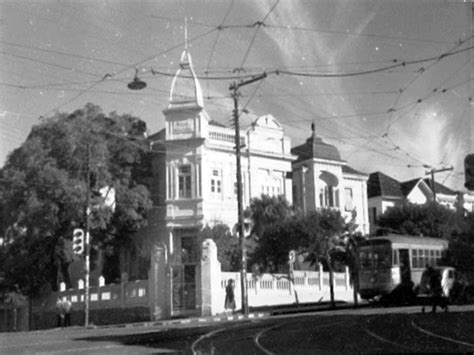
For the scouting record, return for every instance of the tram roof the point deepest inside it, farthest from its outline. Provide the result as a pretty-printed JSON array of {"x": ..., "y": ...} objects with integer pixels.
[{"x": 405, "y": 240}]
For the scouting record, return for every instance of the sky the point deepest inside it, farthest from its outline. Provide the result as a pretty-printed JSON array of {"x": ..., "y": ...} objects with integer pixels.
[{"x": 389, "y": 83}]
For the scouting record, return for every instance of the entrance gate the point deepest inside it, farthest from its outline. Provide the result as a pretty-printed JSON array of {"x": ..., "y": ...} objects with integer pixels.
[{"x": 184, "y": 278}]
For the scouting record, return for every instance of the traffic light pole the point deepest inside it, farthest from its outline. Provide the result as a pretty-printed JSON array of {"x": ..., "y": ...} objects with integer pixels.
[{"x": 243, "y": 267}]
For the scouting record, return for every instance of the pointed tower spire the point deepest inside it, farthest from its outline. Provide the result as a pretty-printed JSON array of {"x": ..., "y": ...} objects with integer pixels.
[
  {"x": 185, "y": 33},
  {"x": 185, "y": 88}
]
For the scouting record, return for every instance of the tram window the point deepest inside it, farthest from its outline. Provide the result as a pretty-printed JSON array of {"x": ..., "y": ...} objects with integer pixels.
[
  {"x": 438, "y": 256},
  {"x": 364, "y": 259},
  {"x": 415, "y": 261},
  {"x": 423, "y": 257},
  {"x": 432, "y": 257},
  {"x": 384, "y": 259}
]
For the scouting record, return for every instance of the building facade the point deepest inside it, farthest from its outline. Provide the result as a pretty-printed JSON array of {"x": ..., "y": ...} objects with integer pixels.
[
  {"x": 321, "y": 179},
  {"x": 195, "y": 169},
  {"x": 384, "y": 192}
]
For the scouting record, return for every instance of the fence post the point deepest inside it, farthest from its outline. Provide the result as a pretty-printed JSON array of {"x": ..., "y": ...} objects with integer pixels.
[
  {"x": 210, "y": 279},
  {"x": 321, "y": 275},
  {"x": 123, "y": 282},
  {"x": 347, "y": 278}
]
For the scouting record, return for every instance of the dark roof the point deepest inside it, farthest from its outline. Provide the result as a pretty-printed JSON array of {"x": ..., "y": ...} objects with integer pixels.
[
  {"x": 440, "y": 188},
  {"x": 380, "y": 184},
  {"x": 314, "y": 147}
]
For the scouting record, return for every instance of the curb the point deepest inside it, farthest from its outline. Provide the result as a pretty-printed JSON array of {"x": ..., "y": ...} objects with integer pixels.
[{"x": 197, "y": 320}]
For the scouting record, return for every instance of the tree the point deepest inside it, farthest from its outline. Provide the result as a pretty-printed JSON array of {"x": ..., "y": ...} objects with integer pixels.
[
  {"x": 45, "y": 184},
  {"x": 461, "y": 246},
  {"x": 267, "y": 210},
  {"x": 315, "y": 235},
  {"x": 430, "y": 219}
]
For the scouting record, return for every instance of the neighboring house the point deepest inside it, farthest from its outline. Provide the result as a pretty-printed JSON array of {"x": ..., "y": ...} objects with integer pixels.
[
  {"x": 196, "y": 184},
  {"x": 321, "y": 179},
  {"x": 384, "y": 191}
]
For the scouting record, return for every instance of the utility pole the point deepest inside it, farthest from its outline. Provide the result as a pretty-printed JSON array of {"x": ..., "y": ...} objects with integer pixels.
[
  {"x": 87, "y": 241},
  {"x": 432, "y": 172},
  {"x": 240, "y": 224}
]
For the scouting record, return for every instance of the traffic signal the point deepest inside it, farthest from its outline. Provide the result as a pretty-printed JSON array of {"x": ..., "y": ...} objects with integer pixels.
[
  {"x": 78, "y": 241},
  {"x": 469, "y": 172}
]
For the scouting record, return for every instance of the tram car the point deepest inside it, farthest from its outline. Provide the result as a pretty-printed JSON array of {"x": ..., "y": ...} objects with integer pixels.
[{"x": 387, "y": 263}]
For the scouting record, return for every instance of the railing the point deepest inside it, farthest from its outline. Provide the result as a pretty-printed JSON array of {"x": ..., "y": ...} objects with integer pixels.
[
  {"x": 222, "y": 135},
  {"x": 305, "y": 286},
  {"x": 123, "y": 295}
]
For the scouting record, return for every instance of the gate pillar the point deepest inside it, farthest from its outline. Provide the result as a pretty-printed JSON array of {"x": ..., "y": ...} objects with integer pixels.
[
  {"x": 159, "y": 285},
  {"x": 210, "y": 280}
]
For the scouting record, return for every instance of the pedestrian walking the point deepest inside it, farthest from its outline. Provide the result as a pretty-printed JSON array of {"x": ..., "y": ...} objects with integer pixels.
[
  {"x": 67, "y": 311},
  {"x": 229, "y": 303},
  {"x": 61, "y": 312},
  {"x": 436, "y": 291}
]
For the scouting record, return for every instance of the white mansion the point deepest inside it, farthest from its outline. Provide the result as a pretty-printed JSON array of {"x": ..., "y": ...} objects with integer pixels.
[{"x": 195, "y": 170}]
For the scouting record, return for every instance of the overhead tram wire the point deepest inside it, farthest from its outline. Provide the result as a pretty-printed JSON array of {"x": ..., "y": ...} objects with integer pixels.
[
  {"x": 402, "y": 90},
  {"x": 258, "y": 24},
  {"x": 328, "y": 75},
  {"x": 123, "y": 70},
  {"x": 345, "y": 33},
  {"x": 277, "y": 71},
  {"x": 434, "y": 92},
  {"x": 72, "y": 55},
  {"x": 216, "y": 40},
  {"x": 300, "y": 107}
]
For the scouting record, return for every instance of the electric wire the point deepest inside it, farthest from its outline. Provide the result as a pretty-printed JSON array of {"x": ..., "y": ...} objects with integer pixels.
[{"x": 257, "y": 25}]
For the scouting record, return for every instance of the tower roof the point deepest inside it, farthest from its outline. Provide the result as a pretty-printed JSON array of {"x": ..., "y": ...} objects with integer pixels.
[
  {"x": 316, "y": 148},
  {"x": 185, "y": 88}
]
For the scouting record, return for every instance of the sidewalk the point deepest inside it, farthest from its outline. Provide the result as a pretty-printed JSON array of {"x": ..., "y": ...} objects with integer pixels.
[
  {"x": 191, "y": 320},
  {"x": 257, "y": 313}
]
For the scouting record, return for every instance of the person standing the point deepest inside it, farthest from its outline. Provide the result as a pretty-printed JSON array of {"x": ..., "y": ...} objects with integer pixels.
[{"x": 229, "y": 303}]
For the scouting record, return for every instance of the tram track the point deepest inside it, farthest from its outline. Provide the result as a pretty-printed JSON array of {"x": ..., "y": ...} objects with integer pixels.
[
  {"x": 404, "y": 332},
  {"x": 380, "y": 337},
  {"x": 449, "y": 339},
  {"x": 257, "y": 337},
  {"x": 411, "y": 324}
]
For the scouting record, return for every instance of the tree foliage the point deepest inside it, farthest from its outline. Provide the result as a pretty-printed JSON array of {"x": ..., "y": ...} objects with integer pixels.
[
  {"x": 430, "y": 220},
  {"x": 267, "y": 210},
  {"x": 43, "y": 195},
  {"x": 315, "y": 235}
]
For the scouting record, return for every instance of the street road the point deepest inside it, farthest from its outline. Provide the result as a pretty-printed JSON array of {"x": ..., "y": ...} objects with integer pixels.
[{"x": 396, "y": 330}]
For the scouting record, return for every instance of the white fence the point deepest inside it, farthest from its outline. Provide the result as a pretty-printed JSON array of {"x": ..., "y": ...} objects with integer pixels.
[
  {"x": 276, "y": 289},
  {"x": 123, "y": 295}
]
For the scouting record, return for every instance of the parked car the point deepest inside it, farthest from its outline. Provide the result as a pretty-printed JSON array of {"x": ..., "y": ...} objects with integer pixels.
[{"x": 462, "y": 291}]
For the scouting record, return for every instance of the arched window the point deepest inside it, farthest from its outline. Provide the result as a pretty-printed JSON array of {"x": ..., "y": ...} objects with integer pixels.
[{"x": 328, "y": 191}]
